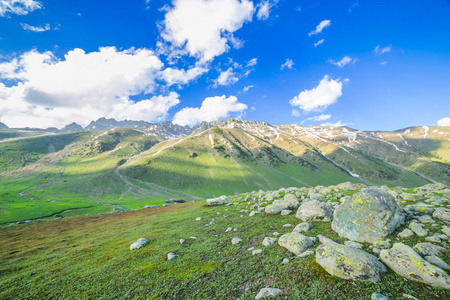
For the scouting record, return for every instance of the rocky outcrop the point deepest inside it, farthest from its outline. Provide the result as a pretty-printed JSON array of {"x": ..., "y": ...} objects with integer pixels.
[
  {"x": 367, "y": 216},
  {"x": 218, "y": 201}
]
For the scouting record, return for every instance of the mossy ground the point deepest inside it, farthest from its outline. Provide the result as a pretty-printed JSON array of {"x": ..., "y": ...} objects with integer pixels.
[{"x": 89, "y": 258}]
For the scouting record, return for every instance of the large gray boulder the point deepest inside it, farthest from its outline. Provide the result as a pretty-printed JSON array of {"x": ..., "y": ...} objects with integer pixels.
[
  {"x": 368, "y": 216},
  {"x": 404, "y": 261},
  {"x": 348, "y": 262},
  {"x": 291, "y": 201},
  {"x": 275, "y": 208},
  {"x": 218, "y": 201},
  {"x": 442, "y": 214},
  {"x": 296, "y": 242},
  {"x": 315, "y": 211}
]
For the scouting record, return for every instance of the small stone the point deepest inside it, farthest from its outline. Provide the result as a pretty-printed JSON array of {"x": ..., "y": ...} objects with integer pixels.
[
  {"x": 302, "y": 227},
  {"x": 406, "y": 233},
  {"x": 235, "y": 229},
  {"x": 353, "y": 244},
  {"x": 228, "y": 229},
  {"x": 418, "y": 229},
  {"x": 193, "y": 237},
  {"x": 276, "y": 233},
  {"x": 268, "y": 292},
  {"x": 376, "y": 296},
  {"x": 382, "y": 244},
  {"x": 425, "y": 249},
  {"x": 446, "y": 230},
  {"x": 199, "y": 219},
  {"x": 438, "y": 262},
  {"x": 292, "y": 225},
  {"x": 182, "y": 241},
  {"x": 286, "y": 212},
  {"x": 236, "y": 241},
  {"x": 376, "y": 250},
  {"x": 433, "y": 239},
  {"x": 138, "y": 244},
  {"x": 269, "y": 241},
  {"x": 253, "y": 213},
  {"x": 442, "y": 214},
  {"x": 251, "y": 248},
  {"x": 171, "y": 256},
  {"x": 296, "y": 242},
  {"x": 426, "y": 219},
  {"x": 306, "y": 253},
  {"x": 285, "y": 261},
  {"x": 256, "y": 252},
  {"x": 406, "y": 296}
]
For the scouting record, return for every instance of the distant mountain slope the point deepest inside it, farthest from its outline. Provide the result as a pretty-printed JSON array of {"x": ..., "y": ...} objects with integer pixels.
[{"x": 3, "y": 126}]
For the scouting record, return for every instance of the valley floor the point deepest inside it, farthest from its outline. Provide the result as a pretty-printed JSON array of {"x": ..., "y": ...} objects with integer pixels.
[{"x": 89, "y": 258}]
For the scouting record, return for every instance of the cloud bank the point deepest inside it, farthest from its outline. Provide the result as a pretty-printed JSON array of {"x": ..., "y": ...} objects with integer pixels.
[{"x": 18, "y": 7}]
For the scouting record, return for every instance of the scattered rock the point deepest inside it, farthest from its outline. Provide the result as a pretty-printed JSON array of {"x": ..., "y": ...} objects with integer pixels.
[
  {"x": 349, "y": 263},
  {"x": 276, "y": 233},
  {"x": 292, "y": 225},
  {"x": 367, "y": 216},
  {"x": 218, "y": 201},
  {"x": 285, "y": 261},
  {"x": 426, "y": 249},
  {"x": 376, "y": 296},
  {"x": 228, "y": 229},
  {"x": 306, "y": 253},
  {"x": 236, "y": 241},
  {"x": 442, "y": 214},
  {"x": 446, "y": 230},
  {"x": 315, "y": 211},
  {"x": 268, "y": 292},
  {"x": 438, "y": 262},
  {"x": 256, "y": 252},
  {"x": 182, "y": 241},
  {"x": 254, "y": 212},
  {"x": 291, "y": 201},
  {"x": 404, "y": 261},
  {"x": 418, "y": 229},
  {"x": 138, "y": 244},
  {"x": 286, "y": 212},
  {"x": 269, "y": 241},
  {"x": 302, "y": 227},
  {"x": 199, "y": 219},
  {"x": 382, "y": 244},
  {"x": 406, "y": 233},
  {"x": 171, "y": 256},
  {"x": 353, "y": 244},
  {"x": 296, "y": 242},
  {"x": 426, "y": 219}
]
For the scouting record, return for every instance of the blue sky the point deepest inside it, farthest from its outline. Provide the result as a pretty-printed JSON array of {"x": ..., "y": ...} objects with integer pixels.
[{"x": 370, "y": 65}]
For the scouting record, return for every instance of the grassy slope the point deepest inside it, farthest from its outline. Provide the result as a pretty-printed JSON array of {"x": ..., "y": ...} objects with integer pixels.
[{"x": 88, "y": 257}]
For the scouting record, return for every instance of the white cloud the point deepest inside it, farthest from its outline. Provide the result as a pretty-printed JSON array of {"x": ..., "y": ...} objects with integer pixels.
[
  {"x": 318, "y": 118},
  {"x": 174, "y": 76},
  {"x": 25, "y": 26},
  {"x": 444, "y": 122},
  {"x": 320, "y": 27},
  {"x": 345, "y": 60},
  {"x": 319, "y": 97},
  {"x": 246, "y": 88},
  {"x": 383, "y": 63},
  {"x": 319, "y": 43},
  {"x": 212, "y": 109},
  {"x": 264, "y": 9},
  {"x": 81, "y": 87},
  {"x": 378, "y": 50},
  {"x": 204, "y": 27},
  {"x": 227, "y": 77},
  {"x": 289, "y": 63},
  {"x": 18, "y": 7},
  {"x": 337, "y": 124},
  {"x": 252, "y": 62},
  {"x": 295, "y": 113}
]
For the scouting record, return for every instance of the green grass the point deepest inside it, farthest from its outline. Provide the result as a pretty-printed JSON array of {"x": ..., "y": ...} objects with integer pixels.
[{"x": 88, "y": 257}]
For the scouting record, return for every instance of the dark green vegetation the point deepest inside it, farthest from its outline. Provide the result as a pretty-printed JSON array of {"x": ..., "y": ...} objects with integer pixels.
[
  {"x": 90, "y": 172},
  {"x": 89, "y": 258}
]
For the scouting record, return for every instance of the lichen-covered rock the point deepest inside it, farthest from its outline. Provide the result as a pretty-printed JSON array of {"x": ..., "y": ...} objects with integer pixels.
[
  {"x": 442, "y": 214},
  {"x": 138, "y": 244},
  {"x": 418, "y": 229},
  {"x": 275, "y": 208},
  {"x": 368, "y": 216},
  {"x": 302, "y": 227},
  {"x": 236, "y": 241},
  {"x": 291, "y": 201},
  {"x": 349, "y": 263},
  {"x": 425, "y": 249},
  {"x": 268, "y": 292},
  {"x": 296, "y": 242},
  {"x": 218, "y": 201},
  {"x": 406, "y": 233},
  {"x": 437, "y": 261},
  {"x": 446, "y": 230},
  {"x": 315, "y": 211},
  {"x": 269, "y": 241},
  {"x": 404, "y": 261},
  {"x": 286, "y": 212}
]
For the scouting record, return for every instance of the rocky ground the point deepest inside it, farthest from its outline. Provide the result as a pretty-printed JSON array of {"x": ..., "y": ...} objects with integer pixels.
[{"x": 403, "y": 230}]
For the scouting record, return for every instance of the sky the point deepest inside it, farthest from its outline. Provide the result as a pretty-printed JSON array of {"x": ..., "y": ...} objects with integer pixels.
[{"x": 368, "y": 65}]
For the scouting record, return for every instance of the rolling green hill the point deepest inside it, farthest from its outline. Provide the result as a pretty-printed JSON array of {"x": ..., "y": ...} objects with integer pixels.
[{"x": 122, "y": 169}]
